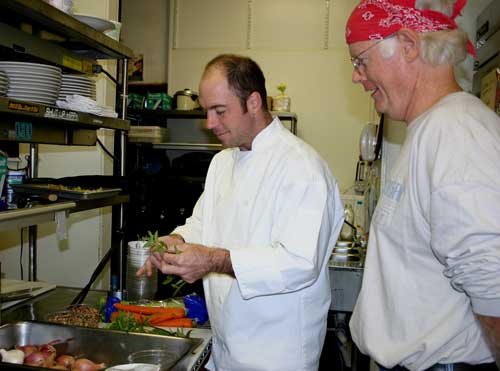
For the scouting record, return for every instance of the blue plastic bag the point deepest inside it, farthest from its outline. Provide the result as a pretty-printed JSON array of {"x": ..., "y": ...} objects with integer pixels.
[
  {"x": 110, "y": 308},
  {"x": 196, "y": 308}
]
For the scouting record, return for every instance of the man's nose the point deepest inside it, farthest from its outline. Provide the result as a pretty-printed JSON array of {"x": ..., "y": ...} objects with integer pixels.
[
  {"x": 357, "y": 76},
  {"x": 211, "y": 121}
]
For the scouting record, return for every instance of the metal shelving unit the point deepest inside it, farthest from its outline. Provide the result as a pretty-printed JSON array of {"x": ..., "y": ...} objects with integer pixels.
[
  {"x": 39, "y": 214},
  {"x": 199, "y": 114},
  {"x": 34, "y": 31},
  {"x": 36, "y": 123}
]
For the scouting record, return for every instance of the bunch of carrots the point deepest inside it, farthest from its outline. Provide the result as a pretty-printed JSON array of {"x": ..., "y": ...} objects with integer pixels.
[{"x": 155, "y": 316}]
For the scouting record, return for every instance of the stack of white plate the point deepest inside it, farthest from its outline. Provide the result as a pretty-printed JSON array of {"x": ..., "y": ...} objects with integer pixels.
[
  {"x": 32, "y": 82},
  {"x": 4, "y": 83},
  {"x": 77, "y": 84}
]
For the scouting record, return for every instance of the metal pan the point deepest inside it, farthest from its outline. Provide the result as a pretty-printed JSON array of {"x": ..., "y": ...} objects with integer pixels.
[{"x": 43, "y": 189}]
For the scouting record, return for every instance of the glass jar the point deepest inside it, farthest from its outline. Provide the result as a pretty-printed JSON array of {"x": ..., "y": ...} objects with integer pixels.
[{"x": 281, "y": 103}]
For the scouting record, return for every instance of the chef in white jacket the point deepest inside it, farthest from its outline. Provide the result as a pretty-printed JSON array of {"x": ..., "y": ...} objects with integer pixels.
[{"x": 261, "y": 233}]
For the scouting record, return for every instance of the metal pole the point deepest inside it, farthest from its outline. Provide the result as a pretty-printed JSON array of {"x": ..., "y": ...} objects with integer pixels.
[
  {"x": 32, "y": 230},
  {"x": 123, "y": 142}
]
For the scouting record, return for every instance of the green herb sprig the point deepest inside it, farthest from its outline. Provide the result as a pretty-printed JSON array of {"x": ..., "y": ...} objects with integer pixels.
[{"x": 157, "y": 245}]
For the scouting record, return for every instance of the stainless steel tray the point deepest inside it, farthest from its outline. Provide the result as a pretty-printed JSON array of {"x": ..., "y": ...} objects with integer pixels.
[
  {"x": 43, "y": 189},
  {"x": 99, "y": 345}
]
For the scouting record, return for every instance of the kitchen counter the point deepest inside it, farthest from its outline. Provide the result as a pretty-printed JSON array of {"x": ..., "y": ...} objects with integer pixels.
[{"x": 37, "y": 308}]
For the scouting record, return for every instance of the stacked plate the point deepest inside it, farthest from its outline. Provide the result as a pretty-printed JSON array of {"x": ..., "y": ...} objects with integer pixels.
[
  {"x": 4, "y": 83},
  {"x": 77, "y": 84},
  {"x": 32, "y": 82}
]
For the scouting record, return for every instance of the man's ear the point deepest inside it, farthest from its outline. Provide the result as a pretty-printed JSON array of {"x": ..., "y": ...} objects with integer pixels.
[
  {"x": 254, "y": 102},
  {"x": 410, "y": 43}
]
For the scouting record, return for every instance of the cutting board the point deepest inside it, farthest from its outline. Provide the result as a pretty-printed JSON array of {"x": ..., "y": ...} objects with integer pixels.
[{"x": 8, "y": 285}]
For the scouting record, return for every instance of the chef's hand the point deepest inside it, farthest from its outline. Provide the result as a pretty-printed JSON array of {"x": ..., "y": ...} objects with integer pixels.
[
  {"x": 192, "y": 261},
  {"x": 171, "y": 241}
]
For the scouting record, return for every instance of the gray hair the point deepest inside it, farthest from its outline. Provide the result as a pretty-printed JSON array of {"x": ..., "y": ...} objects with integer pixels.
[{"x": 439, "y": 47}]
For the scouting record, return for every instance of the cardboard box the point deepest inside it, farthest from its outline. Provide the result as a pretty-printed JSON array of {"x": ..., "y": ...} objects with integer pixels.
[{"x": 490, "y": 89}]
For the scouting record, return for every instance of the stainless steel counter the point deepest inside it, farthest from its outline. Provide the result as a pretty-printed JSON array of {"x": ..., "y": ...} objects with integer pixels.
[{"x": 36, "y": 309}]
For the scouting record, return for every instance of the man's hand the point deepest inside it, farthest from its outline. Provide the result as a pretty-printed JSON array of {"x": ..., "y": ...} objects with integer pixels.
[
  {"x": 193, "y": 261},
  {"x": 491, "y": 329},
  {"x": 172, "y": 240}
]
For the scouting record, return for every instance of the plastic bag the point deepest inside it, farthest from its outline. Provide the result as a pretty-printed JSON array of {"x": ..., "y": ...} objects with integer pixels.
[{"x": 196, "y": 308}]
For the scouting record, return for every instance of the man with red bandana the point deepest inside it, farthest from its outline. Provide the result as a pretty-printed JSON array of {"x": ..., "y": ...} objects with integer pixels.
[{"x": 430, "y": 298}]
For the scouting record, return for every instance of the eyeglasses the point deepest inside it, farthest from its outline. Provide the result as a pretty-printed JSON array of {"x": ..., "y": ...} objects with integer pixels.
[{"x": 358, "y": 62}]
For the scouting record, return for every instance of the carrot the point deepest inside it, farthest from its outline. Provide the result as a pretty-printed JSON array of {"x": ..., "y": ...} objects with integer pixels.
[
  {"x": 139, "y": 318},
  {"x": 161, "y": 317},
  {"x": 176, "y": 322},
  {"x": 176, "y": 312}
]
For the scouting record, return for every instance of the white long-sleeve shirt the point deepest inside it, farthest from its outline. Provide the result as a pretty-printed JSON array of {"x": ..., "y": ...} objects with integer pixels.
[
  {"x": 277, "y": 209},
  {"x": 434, "y": 249}
]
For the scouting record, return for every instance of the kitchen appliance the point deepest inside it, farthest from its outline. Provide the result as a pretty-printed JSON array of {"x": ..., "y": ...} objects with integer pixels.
[
  {"x": 356, "y": 213},
  {"x": 487, "y": 43},
  {"x": 186, "y": 100}
]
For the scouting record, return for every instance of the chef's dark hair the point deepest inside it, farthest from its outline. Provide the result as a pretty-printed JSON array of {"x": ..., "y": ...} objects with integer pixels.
[{"x": 244, "y": 76}]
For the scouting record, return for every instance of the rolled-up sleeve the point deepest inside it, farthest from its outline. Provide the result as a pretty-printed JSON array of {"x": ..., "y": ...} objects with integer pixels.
[
  {"x": 300, "y": 237},
  {"x": 466, "y": 239}
]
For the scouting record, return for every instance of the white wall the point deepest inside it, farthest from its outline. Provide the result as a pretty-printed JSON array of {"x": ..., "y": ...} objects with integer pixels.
[
  {"x": 71, "y": 262},
  {"x": 300, "y": 43},
  {"x": 145, "y": 31}
]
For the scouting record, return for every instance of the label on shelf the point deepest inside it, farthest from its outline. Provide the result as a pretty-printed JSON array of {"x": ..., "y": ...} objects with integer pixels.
[
  {"x": 16, "y": 106},
  {"x": 57, "y": 113},
  {"x": 24, "y": 130}
]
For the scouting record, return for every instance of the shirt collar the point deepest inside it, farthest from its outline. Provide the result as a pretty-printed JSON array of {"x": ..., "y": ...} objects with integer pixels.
[{"x": 263, "y": 139}]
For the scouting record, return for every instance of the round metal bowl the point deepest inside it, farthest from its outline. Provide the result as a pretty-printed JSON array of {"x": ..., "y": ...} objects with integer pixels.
[
  {"x": 346, "y": 250},
  {"x": 346, "y": 258},
  {"x": 341, "y": 243}
]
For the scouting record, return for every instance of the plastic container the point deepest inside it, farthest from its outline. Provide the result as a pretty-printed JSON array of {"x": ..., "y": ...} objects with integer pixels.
[
  {"x": 13, "y": 177},
  {"x": 160, "y": 357}
]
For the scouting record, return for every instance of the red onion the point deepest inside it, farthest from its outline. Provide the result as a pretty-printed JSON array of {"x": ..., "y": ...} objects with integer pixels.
[
  {"x": 47, "y": 348},
  {"x": 50, "y": 354},
  {"x": 65, "y": 360},
  {"x": 27, "y": 349},
  {"x": 36, "y": 359},
  {"x": 83, "y": 364}
]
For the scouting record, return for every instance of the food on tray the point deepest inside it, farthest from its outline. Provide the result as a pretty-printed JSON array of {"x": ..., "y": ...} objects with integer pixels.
[
  {"x": 45, "y": 355},
  {"x": 80, "y": 315},
  {"x": 66, "y": 191},
  {"x": 154, "y": 316},
  {"x": 60, "y": 187}
]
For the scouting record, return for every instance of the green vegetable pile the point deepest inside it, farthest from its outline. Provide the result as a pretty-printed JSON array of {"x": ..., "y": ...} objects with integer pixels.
[{"x": 126, "y": 322}]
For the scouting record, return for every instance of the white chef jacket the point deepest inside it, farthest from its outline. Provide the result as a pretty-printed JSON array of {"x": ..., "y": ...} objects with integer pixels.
[
  {"x": 277, "y": 209},
  {"x": 434, "y": 248}
]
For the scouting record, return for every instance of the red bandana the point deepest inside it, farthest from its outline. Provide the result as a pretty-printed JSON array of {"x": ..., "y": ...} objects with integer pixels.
[{"x": 377, "y": 19}]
